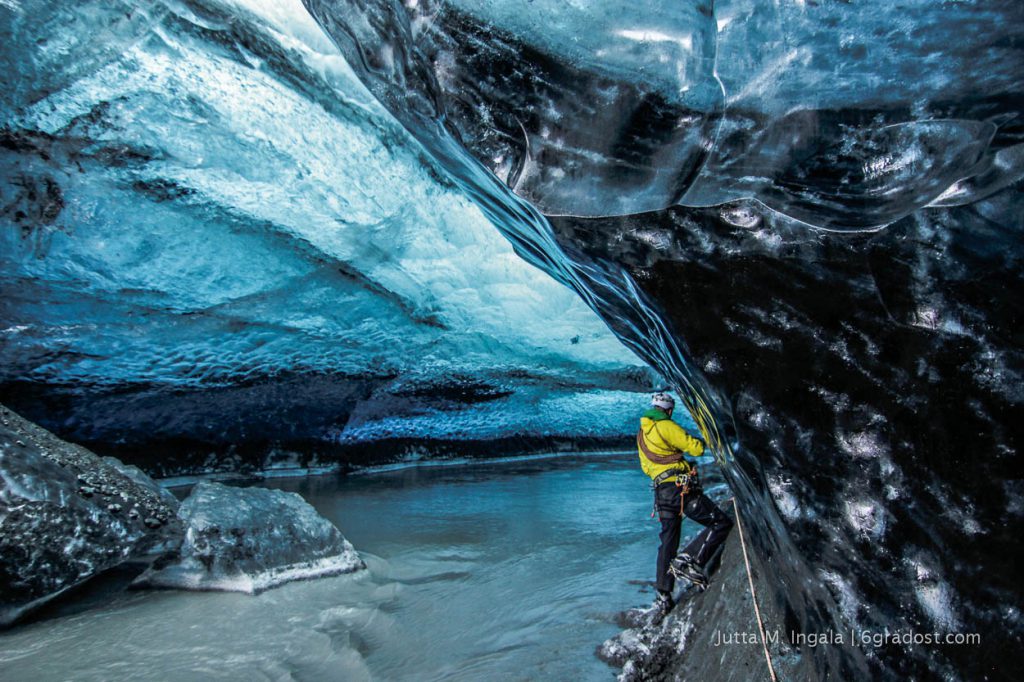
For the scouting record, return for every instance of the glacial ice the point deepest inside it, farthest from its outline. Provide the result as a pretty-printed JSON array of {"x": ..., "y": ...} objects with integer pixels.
[
  {"x": 249, "y": 540},
  {"x": 206, "y": 209},
  {"x": 806, "y": 216},
  {"x": 66, "y": 515},
  {"x": 621, "y": 108}
]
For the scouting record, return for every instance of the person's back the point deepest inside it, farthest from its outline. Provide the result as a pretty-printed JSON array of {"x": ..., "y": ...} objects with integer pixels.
[
  {"x": 664, "y": 440},
  {"x": 661, "y": 444}
]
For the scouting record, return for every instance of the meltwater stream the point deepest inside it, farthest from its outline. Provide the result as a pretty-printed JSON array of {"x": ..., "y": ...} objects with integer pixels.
[{"x": 512, "y": 571}]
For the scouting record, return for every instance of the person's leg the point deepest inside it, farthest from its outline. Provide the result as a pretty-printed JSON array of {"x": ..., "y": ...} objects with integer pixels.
[
  {"x": 716, "y": 528},
  {"x": 669, "y": 537},
  {"x": 666, "y": 502}
]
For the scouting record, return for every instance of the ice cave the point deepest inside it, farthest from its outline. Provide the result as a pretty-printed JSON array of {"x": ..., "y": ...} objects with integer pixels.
[{"x": 326, "y": 327}]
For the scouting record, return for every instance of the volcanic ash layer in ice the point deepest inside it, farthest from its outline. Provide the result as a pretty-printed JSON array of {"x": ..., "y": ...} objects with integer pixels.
[
  {"x": 249, "y": 540},
  {"x": 67, "y": 514}
]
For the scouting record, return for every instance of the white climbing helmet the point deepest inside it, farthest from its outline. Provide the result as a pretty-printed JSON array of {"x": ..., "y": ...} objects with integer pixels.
[{"x": 663, "y": 400}]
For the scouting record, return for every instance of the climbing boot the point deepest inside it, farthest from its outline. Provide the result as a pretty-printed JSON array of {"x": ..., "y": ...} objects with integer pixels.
[
  {"x": 685, "y": 567},
  {"x": 663, "y": 603}
]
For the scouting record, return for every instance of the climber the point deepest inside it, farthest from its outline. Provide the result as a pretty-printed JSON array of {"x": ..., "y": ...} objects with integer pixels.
[{"x": 661, "y": 444}]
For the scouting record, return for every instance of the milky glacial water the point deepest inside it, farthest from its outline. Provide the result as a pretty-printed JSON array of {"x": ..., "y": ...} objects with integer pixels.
[{"x": 512, "y": 571}]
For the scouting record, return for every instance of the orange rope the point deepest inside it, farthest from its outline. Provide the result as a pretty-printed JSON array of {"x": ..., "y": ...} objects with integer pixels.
[{"x": 684, "y": 488}]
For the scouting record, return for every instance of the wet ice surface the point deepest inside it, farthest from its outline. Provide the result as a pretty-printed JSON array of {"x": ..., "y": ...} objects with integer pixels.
[
  {"x": 501, "y": 571},
  {"x": 249, "y": 540}
]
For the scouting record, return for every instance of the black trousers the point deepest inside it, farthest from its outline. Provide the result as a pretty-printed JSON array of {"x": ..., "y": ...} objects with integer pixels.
[{"x": 699, "y": 508}]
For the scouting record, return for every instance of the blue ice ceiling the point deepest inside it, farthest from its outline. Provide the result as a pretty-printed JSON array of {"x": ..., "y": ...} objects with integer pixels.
[{"x": 200, "y": 199}]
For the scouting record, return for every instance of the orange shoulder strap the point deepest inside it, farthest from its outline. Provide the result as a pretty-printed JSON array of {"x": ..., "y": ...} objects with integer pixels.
[{"x": 652, "y": 456}]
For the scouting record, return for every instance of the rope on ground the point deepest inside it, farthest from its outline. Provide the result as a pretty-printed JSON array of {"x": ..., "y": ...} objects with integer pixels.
[{"x": 753, "y": 594}]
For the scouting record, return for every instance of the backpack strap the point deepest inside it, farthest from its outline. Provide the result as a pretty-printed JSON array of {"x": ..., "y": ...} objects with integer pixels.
[{"x": 673, "y": 458}]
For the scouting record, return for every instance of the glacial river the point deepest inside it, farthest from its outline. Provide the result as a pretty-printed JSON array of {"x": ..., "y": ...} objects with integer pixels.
[{"x": 510, "y": 571}]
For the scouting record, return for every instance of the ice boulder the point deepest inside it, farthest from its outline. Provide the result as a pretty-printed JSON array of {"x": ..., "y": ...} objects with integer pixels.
[
  {"x": 249, "y": 540},
  {"x": 67, "y": 515}
]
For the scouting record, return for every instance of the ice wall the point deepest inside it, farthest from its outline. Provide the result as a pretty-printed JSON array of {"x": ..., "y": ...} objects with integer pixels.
[
  {"x": 215, "y": 238},
  {"x": 807, "y": 214}
]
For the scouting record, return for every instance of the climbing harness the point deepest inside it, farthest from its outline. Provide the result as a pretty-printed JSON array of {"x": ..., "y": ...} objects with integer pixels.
[
  {"x": 686, "y": 482},
  {"x": 664, "y": 476},
  {"x": 683, "y": 483}
]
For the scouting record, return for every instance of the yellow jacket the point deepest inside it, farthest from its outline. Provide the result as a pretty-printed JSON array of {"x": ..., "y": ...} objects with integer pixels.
[{"x": 662, "y": 436}]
